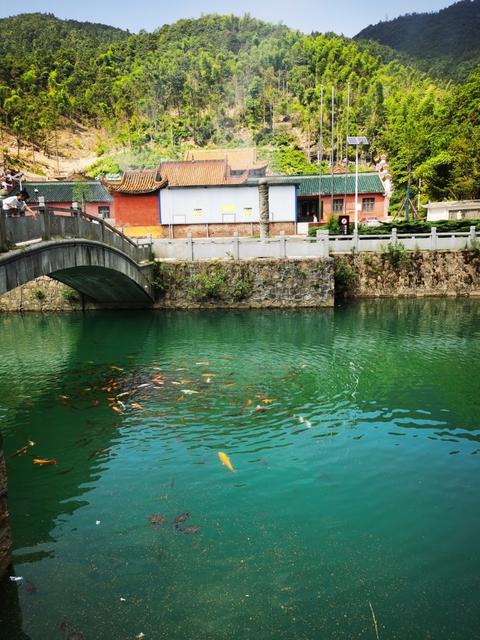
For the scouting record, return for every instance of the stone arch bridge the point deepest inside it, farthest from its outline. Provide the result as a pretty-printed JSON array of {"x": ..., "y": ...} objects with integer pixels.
[{"x": 79, "y": 250}]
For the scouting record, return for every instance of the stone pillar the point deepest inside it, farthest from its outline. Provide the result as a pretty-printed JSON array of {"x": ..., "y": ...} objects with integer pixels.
[
  {"x": 5, "y": 536},
  {"x": 236, "y": 246},
  {"x": 264, "y": 208}
]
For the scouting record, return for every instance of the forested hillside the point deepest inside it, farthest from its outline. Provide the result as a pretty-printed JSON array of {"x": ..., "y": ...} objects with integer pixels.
[
  {"x": 446, "y": 43},
  {"x": 224, "y": 80}
]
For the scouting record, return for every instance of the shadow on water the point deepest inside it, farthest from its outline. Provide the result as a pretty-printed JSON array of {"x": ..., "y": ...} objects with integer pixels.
[{"x": 11, "y": 626}]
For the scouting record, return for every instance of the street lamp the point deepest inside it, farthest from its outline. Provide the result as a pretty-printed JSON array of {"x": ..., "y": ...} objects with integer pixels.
[{"x": 356, "y": 141}]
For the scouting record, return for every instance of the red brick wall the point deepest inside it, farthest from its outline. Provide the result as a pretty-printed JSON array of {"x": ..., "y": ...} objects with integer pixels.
[
  {"x": 350, "y": 203},
  {"x": 136, "y": 209}
]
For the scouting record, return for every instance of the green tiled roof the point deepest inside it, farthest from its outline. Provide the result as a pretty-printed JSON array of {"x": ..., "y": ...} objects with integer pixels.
[
  {"x": 67, "y": 191},
  {"x": 310, "y": 185}
]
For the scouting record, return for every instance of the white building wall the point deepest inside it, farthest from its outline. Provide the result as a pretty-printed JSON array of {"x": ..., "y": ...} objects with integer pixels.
[
  {"x": 214, "y": 205},
  {"x": 434, "y": 215}
]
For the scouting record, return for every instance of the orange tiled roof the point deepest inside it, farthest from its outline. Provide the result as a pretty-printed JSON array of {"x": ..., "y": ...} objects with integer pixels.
[
  {"x": 199, "y": 173},
  {"x": 137, "y": 181},
  {"x": 237, "y": 159}
]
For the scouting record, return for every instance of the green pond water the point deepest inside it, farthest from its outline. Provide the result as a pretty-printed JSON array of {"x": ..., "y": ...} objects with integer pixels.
[{"x": 353, "y": 511}]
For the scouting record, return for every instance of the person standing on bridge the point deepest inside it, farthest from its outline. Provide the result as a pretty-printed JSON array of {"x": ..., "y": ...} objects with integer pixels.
[{"x": 17, "y": 205}]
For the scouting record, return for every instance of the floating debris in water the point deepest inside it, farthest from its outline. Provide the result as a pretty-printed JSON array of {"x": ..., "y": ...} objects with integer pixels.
[
  {"x": 225, "y": 460},
  {"x": 43, "y": 461},
  {"x": 16, "y": 578},
  {"x": 136, "y": 405},
  {"x": 97, "y": 522},
  {"x": 189, "y": 392},
  {"x": 304, "y": 421}
]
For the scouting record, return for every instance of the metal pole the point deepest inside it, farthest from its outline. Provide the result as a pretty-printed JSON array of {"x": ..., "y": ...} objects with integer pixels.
[
  {"x": 356, "y": 188},
  {"x": 320, "y": 157},
  {"x": 332, "y": 143}
]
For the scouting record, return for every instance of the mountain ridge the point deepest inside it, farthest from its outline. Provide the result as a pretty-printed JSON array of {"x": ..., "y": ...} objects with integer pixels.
[{"x": 443, "y": 42}]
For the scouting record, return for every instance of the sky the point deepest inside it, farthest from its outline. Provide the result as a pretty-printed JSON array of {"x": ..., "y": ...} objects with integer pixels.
[{"x": 346, "y": 17}]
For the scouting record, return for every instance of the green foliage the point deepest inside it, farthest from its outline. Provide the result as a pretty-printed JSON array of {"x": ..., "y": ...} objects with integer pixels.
[
  {"x": 396, "y": 254},
  {"x": 81, "y": 193},
  {"x": 291, "y": 162},
  {"x": 158, "y": 278},
  {"x": 101, "y": 168},
  {"x": 39, "y": 295},
  {"x": 474, "y": 247},
  {"x": 445, "y": 43},
  {"x": 224, "y": 80},
  {"x": 214, "y": 282},
  {"x": 70, "y": 295},
  {"x": 344, "y": 276}
]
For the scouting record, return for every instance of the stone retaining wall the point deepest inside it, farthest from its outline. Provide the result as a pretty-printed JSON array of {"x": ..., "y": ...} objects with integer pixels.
[
  {"x": 42, "y": 294},
  {"x": 264, "y": 283},
  {"x": 260, "y": 283},
  {"x": 408, "y": 274},
  {"x": 5, "y": 537}
]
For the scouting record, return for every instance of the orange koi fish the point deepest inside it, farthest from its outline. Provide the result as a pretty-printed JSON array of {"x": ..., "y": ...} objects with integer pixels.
[
  {"x": 44, "y": 461},
  {"x": 225, "y": 460}
]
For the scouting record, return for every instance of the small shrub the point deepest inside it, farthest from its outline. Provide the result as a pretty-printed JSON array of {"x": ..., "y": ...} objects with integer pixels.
[
  {"x": 396, "y": 254},
  {"x": 157, "y": 280},
  {"x": 345, "y": 277},
  {"x": 38, "y": 294},
  {"x": 70, "y": 295},
  {"x": 216, "y": 283},
  {"x": 474, "y": 247}
]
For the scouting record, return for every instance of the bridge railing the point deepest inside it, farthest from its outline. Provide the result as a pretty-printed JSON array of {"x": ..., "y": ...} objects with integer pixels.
[{"x": 57, "y": 223}]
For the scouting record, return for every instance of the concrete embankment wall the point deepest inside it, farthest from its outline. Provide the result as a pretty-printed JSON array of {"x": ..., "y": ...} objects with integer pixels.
[{"x": 408, "y": 274}]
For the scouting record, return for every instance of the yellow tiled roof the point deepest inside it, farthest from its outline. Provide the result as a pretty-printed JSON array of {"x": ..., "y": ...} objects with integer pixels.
[
  {"x": 237, "y": 159},
  {"x": 137, "y": 181},
  {"x": 199, "y": 173}
]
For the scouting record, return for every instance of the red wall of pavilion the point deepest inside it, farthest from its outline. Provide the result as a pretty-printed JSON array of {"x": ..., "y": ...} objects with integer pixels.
[
  {"x": 377, "y": 212},
  {"x": 136, "y": 209}
]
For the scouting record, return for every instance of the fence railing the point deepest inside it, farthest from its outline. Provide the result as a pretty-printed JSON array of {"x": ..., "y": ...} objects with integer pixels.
[
  {"x": 57, "y": 223},
  {"x": 321, "y": 246}
]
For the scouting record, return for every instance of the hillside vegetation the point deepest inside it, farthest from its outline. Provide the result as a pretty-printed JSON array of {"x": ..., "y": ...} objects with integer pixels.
[
  {"x": 442, "y": 43},
  {"x": 224, "y": 80}
]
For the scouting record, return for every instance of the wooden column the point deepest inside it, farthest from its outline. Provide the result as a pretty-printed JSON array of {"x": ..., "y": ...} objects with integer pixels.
[{"x": 5, "y": 536}]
